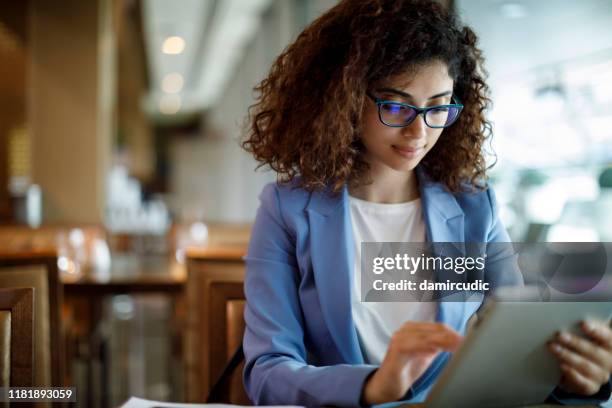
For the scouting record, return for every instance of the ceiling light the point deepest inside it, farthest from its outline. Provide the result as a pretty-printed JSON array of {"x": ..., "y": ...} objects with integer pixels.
[
  {"x": 173, "y": 45},
  {"x": 172, "y": 83},
  {"x": 513, "y": 10},
  {"x": 169, "y": 104}
]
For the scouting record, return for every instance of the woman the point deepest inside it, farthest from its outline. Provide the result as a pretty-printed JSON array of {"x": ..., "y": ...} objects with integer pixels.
[{"x": 374, "y": 121}]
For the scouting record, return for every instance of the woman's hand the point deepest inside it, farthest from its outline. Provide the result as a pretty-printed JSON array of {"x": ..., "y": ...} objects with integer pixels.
[
  {"x": 586, "y": 364},
  {"x": 411, "y": 350}
]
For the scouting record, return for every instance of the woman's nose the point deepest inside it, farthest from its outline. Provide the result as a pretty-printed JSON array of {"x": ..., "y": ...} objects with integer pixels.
[{"x": 417, "y": 129}]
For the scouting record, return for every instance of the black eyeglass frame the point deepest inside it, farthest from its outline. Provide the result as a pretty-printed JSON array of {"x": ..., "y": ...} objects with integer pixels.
[{"x": 420, "y": 111}]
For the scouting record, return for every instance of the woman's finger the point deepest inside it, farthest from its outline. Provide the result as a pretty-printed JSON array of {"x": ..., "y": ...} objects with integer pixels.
[
  {"x": 430, "y": 328},
  {"x": 426, "y": 326},
  {"x": 586, "y": 348},
  {"x": 580, "y": 364},
  {"x": 410, "y": 342},
  {"x": 573, "y": 381},
  {"x": 600, "y": 332}
]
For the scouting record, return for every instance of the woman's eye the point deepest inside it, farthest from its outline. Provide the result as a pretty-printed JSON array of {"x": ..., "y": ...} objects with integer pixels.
[
  {"x": 438, "y": 111},
  {"x": 393, "y": 108}
]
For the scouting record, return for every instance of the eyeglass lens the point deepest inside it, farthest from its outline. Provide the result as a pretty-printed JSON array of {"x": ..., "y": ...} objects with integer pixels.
[{"x": 394, "y": 114}]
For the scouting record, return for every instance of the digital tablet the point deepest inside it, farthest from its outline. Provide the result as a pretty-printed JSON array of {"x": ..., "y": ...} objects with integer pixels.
[{"x": 504, "y": 360}]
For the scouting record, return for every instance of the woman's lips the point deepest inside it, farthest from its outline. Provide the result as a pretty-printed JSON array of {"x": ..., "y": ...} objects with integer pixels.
[{"x": 408, "y": 152}]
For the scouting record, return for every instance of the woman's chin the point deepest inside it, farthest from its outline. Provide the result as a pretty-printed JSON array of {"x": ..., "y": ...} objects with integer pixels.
[
  {"x": 405, "y": 165},
  {"x": 395, "y": 162}
]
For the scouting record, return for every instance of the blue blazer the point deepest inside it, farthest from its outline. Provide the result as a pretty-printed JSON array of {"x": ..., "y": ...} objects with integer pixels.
[{"x": 300, "y": 343}]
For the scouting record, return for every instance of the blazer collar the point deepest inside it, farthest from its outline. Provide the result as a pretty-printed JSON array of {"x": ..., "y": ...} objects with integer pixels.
[
  {"x": 437, "y": 201},
  {"x": 444, "y": 218},
  {"x": 436, "y": 197},
  {"x": 325, "y": 202}
]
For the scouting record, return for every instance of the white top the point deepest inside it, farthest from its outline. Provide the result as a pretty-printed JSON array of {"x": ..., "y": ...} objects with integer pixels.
[{"x": 377, "y": 321}]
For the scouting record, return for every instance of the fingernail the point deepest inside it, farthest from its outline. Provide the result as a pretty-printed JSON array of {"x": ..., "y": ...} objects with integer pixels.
[
  {"x": 565, "y": 337},
  {"x": 556, "y": 347},
  {"x": 589, "y": 325}
]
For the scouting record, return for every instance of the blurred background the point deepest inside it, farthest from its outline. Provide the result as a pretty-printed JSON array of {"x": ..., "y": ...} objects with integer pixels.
[{"x": 122, "y": 175}]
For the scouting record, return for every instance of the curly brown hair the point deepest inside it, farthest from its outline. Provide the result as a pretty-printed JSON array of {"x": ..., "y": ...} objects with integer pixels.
[{"x": 307, "y": 118}]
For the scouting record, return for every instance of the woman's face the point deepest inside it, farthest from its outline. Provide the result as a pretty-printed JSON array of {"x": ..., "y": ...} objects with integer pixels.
[{"x": 402, "y": 148}]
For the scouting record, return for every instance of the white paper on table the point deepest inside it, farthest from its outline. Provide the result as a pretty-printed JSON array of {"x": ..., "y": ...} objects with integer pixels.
[{"x": 135, "y": 402}]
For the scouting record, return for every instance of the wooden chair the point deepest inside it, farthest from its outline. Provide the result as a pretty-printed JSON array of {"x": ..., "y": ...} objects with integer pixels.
[
  {"x": 16, "y": 337},
  {"x": 227, "y": 359},
  {"x": 215, "y": 303},
  {"x": 39, "y": 270}
]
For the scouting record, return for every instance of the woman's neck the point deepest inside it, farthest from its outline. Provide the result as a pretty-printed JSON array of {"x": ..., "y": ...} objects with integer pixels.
[{"x": 388, "y": 187}]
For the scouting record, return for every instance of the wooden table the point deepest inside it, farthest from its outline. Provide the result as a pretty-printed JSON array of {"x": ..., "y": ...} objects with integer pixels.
[
  {"x": 144, "y": 275},
  {"x": 83, "y": 311}
]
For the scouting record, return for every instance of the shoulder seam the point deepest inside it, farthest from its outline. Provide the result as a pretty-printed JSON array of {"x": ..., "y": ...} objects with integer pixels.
[{"x": 281, "y": 212}]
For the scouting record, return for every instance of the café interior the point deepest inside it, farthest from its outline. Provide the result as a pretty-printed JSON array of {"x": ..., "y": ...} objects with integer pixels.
[{"x": 126, "y": 201}]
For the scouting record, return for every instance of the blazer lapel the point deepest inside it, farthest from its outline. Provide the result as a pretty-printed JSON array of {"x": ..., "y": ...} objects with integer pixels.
[
  {"x": 333, "y": 257},
  {"x": 444, "y": 220}
]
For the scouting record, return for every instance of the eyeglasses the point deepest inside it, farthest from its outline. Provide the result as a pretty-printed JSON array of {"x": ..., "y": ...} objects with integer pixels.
[{"x": 399, "y": 114}]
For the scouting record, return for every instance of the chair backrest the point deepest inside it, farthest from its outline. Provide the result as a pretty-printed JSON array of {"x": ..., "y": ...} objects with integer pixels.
[
  {"x": 40, "y": 272},
  {"x": 16, "y": 337},
  {"x": 235, "y": 333},
  {"x": 227, "y": 322},
  {"x": 214, "y": 322}
]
